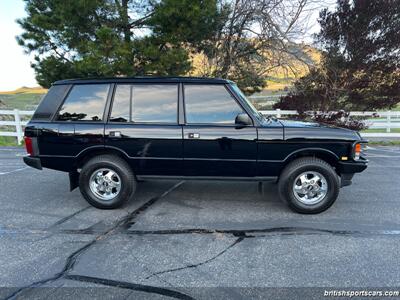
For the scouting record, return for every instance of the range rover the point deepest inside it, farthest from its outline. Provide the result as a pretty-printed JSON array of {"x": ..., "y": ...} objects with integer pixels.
[{"x": 109, "y": 134}]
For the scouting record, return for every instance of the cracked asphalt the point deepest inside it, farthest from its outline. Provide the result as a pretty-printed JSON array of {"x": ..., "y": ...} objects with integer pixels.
[{"x": 195, "y": 240}]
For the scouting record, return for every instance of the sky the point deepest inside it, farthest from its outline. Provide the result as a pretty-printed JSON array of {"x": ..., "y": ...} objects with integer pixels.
[{"x": 15, "y": 69}]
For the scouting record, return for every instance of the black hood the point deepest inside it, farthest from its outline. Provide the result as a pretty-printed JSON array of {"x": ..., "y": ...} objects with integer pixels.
[{"x": 313, "y": 130}]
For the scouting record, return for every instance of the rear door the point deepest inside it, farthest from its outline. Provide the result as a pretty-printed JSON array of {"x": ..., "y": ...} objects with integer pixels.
[
  {"x": 143, "y": 123},
  {"x": 213, "y": 144}
]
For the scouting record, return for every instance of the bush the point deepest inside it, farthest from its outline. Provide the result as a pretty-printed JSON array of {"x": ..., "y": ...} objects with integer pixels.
[
  {"x": 338, "y": 119},
  {"x": 316, "y": 100}
]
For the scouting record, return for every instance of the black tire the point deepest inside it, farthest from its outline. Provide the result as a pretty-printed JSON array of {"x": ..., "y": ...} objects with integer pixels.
[
  {"x": 120, "y": 167},
  {"x": 305, "y": 164}
]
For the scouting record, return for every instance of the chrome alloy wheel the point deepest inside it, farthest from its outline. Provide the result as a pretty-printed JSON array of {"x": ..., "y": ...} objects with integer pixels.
[
  {"x": 310, "y": 187},
  {"x": 105, "y": 184}
]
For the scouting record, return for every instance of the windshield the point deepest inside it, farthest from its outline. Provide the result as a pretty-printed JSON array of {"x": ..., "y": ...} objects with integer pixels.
[{"x": 254, "y": 111}]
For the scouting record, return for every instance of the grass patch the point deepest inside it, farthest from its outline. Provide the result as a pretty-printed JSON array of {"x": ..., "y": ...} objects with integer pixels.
[
  {"x": 383, "y": 130},
  {"x": 9, "y": 141},
  {"x": 384, "y": 143},
  {"x": 26, "y": 101}
]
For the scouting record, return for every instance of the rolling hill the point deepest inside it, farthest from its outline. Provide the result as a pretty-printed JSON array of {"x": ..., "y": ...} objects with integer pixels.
[
  {"x": 26, "y": 90},
  {"x": 23, "y": 98}
]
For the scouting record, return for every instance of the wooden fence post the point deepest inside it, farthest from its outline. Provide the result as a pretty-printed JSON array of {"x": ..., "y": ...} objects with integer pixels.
[
  {"x": 388, "y": 119},
  {"x": 18, "y": 126}
]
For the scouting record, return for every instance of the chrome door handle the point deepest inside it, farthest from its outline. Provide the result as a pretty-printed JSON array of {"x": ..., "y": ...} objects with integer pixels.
[
  {"x": 193, "y": 135},
  {"x": 115, "y": 134}
]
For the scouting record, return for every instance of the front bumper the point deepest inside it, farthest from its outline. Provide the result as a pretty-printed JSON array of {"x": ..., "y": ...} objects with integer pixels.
[
  {"x": 33, "y": 162},
  {"x": 346, "y": 170},
  {"x": 352, "y": 167}
]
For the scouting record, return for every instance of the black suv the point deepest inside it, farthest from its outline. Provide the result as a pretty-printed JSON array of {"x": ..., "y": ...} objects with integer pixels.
[{"x": 111, "y": 133}]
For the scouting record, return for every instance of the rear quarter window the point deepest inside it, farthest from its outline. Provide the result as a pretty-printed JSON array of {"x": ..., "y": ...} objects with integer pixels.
[
  {"x": 85, "y": 102},
  {"x": 50, "y": 103}
]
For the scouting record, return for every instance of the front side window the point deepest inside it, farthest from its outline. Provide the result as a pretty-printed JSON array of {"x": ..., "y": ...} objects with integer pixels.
[
  {"x": 85, "y": 102},
  {"x": 210, "y": 104},
  {"x": 145, "y": 103}
]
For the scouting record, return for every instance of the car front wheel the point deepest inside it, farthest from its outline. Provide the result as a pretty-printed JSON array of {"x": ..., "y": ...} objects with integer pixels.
[{"x": 309, "y": 185}]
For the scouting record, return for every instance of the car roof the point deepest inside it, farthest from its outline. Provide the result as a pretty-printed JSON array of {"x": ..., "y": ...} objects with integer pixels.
[{"x": 144, "y": 79}]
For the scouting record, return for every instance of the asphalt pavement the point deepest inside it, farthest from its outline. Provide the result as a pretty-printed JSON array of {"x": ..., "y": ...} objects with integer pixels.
[{"x": 195, "y": 240}]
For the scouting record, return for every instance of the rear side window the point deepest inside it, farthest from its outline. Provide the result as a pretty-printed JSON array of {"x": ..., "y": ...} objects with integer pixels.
[
  {"x": 49, "y": 104},
  {"x": 145, "y": 103},
  {"x": 207, "y": 104},
  {"x": 84, "y": 102}
]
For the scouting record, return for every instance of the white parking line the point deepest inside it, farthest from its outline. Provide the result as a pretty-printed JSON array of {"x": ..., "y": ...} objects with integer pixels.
[
  {"x": 13, "y": 171},
  {"x": 17, "y": 150}
]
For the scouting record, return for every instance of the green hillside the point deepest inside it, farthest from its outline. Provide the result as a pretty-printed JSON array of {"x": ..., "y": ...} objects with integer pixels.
[
  {"x": 23, "y": 98},
  {"x": 23, "y": 101}
]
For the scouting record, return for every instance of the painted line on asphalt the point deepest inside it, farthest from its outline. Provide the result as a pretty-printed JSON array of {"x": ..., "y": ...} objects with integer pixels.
[
  {"x": 13, "y": 171},
  {"x": 17, "y": 150}
]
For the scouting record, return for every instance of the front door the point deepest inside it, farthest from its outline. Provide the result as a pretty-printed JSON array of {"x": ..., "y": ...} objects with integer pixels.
[{"x": 212, "y": 144}]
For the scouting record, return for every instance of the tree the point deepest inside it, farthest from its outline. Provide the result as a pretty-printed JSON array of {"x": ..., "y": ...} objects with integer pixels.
[
  {"x": 240, "y": 39},
  {"x": 83, "y": 38},
  {"x": 360, "y": 66},
  {"x": 253, "y": 38}
]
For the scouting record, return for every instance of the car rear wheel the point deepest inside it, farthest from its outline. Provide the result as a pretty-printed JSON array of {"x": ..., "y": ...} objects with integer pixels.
[
  {"x": 309, "y": 185},
  {"x": 107, "y": 182}
]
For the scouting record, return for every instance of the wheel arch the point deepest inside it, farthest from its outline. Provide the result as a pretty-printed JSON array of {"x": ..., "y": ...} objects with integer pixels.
[
  {"x": 87, "y": 154},
  {"x": 91, "y": 152},
  {"x": 324, "y": 154}
]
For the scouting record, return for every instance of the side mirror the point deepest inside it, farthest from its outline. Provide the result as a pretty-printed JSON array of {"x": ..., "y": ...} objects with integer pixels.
[{"x": 243, "y": 119}]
